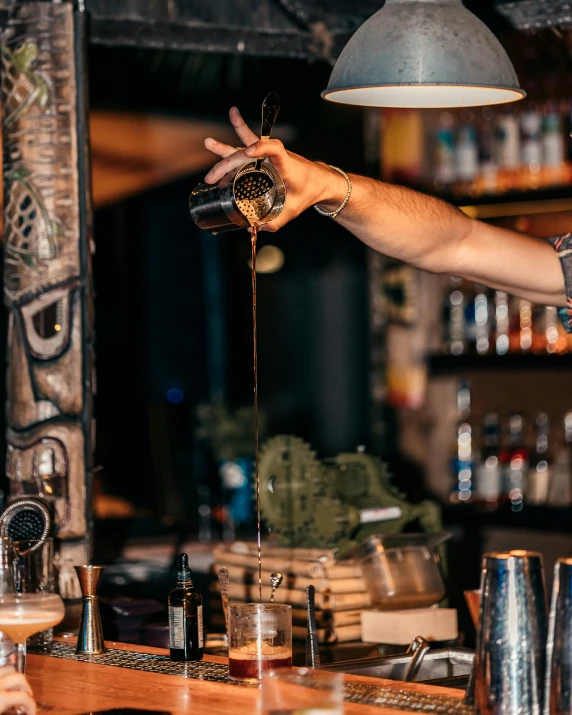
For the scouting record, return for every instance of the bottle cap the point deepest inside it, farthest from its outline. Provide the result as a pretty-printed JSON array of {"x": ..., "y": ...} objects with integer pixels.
[{"x": 184, "y": 573}]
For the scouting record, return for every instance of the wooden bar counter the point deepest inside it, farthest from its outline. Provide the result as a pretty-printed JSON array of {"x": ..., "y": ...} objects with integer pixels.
[{"x": 74, "y": 688}]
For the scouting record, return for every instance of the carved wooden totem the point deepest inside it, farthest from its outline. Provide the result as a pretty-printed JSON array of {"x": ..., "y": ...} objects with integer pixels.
[{"x": 47, "y": 271}]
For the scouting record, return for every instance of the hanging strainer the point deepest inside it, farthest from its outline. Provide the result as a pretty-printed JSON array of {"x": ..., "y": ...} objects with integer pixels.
[{"x": 26, "y": 520}]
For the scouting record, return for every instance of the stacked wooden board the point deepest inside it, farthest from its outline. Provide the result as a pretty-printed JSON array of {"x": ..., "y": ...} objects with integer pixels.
[{"x": 340, "y": 590}]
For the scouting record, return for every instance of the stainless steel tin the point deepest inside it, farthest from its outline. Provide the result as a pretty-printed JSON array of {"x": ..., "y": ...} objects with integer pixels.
[
  {"x": 511, "y": 643},
  {"x": 448, "y": 667},
  {"x": 250, "y": 196},
  {"x": 559, "y": 649}
]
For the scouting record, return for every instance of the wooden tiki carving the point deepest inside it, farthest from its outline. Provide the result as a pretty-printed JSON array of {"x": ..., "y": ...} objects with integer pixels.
[{"x": 47, "y": 272}]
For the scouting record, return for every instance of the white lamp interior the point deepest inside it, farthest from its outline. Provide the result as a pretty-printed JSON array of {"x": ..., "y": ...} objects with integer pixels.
[{"x": 424, "y": 96}]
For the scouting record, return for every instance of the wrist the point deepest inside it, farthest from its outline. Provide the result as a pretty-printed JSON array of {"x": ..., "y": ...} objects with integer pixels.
[{"x": 331, "y": 186}]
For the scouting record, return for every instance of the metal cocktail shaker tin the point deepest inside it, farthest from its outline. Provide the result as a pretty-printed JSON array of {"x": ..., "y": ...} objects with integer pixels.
[
  {"x": 511, "y": 643},
  {"x": 251, "y": 195},
  {"x": 559, "y": 649}
]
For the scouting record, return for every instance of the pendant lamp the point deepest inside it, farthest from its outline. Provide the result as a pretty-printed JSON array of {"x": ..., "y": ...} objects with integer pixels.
[{"x": 423, "y": 53}]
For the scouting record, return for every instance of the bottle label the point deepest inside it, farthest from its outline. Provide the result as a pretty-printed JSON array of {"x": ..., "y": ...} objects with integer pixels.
[
  {"x": 200, "y": 625},
  {"x": 177, "y": 628}
]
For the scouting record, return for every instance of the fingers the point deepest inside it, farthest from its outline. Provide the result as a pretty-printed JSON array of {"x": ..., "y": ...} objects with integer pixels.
[
  {"x": 223, "y": 167},
  {"x": 219, "y": 148},
  {"x": 278, "y": 222},
  {"x": 245, "y": 134},
  {"x": 271, "y": 148},
  {"x": 20, "y": 700},
  {"x": 15, "y": 682},
  {"x": 267, "y": 147}
]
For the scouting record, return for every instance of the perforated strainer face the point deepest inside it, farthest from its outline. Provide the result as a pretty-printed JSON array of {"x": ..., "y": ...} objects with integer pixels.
[
  {"x": 26, "y": 524},
  {"x": 254, "y": 194},
  {"x": 252, "y": 186},
  {"x": 26, "y": 519}
]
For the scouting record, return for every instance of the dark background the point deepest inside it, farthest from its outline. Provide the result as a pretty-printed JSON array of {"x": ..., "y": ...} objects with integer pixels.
[{"x": 173, "y": 305}]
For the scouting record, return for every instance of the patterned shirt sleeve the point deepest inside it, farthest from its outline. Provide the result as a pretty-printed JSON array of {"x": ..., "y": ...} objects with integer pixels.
[{"x": 563, "y": 246}]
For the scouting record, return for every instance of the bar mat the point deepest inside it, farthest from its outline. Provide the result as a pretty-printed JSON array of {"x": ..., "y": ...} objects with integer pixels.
[{"x": 217, "y": 672}]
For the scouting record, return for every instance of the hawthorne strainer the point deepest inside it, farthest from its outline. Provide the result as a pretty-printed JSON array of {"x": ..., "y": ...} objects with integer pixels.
[
  {"x": 249, "y": 196},
  {"x": 26, "y": 520}
]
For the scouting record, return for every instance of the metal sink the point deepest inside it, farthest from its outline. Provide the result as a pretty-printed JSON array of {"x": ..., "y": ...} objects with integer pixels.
[{"x": 448, "y": 667}]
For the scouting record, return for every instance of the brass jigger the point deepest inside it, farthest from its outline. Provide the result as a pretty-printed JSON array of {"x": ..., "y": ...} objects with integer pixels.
[{"x": 90, "y": 637}]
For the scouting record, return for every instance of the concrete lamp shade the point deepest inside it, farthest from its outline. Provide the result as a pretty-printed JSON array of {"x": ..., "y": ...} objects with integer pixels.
[{"x": 423, "y": 54}]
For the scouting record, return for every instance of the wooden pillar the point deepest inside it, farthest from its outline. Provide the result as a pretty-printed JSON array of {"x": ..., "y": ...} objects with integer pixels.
[{"x": 47, "y": 271}]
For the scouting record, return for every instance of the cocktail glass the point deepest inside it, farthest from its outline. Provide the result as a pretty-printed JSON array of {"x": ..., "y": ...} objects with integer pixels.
[
  {"x": 34, "y": 573},
  {"x": 260, "y": 640},
  {"x": 302, "y": 691},
  {"x": 24, "y": 614}
]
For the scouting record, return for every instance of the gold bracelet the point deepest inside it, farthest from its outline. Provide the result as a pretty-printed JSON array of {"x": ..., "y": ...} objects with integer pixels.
[{"x": 333, "y": 214}]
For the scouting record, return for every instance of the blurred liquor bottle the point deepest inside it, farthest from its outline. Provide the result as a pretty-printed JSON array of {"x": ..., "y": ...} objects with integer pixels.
[
  {"x": 507, "y": 150},
  {"x": 488, "y": 169},
  {"x": 454, "y": 317},
  {"x": 488, "y": 473},
  {"x": 462, "y": 449},
  {"x": 520, "y": 325},
  {"x": 555, "y": 339},
  {"x": 466, "y": 155},
  {"x": 560, "y": 489},
  {"x": 482, "y": 318},
  {"x": 444, "y": 152},
  {"x": 516, "y": 464},
  {"x": 531, "y": 147},
  {"x": 402, "y": 146},
  {"x": 553, "y": 145},
  {"x": 501, "y": 323},
  {"x": 540, "y": 466}
]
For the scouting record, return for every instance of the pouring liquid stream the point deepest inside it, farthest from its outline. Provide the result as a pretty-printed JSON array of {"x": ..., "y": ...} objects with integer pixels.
[{"x": 253, "y": 238}]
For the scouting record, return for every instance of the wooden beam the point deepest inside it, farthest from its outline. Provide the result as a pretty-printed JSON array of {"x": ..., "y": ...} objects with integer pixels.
[{"x": 133, "y": 153}]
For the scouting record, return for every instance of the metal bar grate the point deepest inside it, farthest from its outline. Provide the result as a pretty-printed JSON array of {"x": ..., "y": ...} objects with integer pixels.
[{"x": 354, "y": 693}]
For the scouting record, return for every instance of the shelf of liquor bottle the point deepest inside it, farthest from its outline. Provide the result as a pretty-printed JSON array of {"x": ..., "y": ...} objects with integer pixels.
[
  {"x": 540, "y": 518},
  {"x": 494, "y": 162},
  {"x": 514, "y": 203},
  {"x": 443, "y": 364}
]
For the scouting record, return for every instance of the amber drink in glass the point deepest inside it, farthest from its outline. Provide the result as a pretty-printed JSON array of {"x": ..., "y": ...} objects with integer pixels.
[{"x": 260, "y": 640}]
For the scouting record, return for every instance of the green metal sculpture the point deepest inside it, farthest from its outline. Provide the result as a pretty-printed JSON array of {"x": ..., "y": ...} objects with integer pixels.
[{"x": 332, "y": 503}]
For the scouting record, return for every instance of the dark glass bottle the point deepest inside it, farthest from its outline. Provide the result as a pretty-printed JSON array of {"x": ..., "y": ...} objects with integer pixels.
[{"x": 185, "y": 616}]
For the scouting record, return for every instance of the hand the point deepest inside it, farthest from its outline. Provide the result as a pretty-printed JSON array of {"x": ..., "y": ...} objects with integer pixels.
[
  {"x": 307, "y": 182},
  {"x": 15, "y": 692}
]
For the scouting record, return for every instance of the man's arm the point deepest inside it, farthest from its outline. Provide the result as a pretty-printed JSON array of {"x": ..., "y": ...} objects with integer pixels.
[
  {"x": 417, "y": 229},
  {"x": 433, "y": 235}
]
